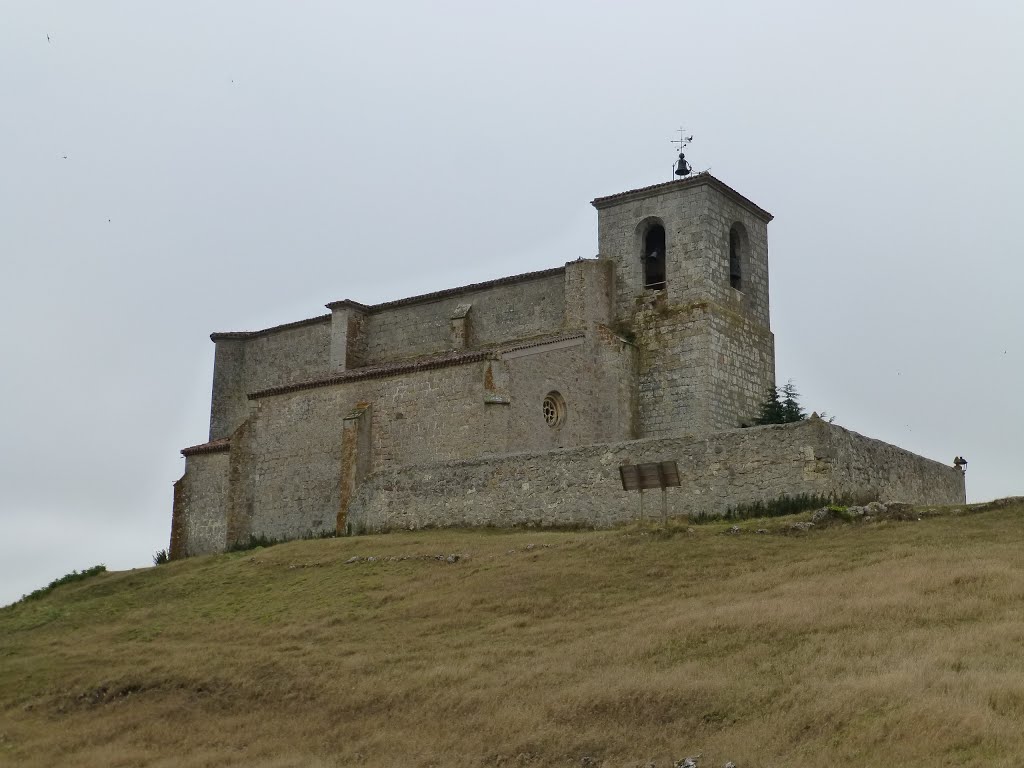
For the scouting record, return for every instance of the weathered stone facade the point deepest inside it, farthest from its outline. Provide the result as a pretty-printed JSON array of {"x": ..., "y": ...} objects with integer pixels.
[
  {"x": 719, "y": 471},
  {"x": 404, "y": 413}
]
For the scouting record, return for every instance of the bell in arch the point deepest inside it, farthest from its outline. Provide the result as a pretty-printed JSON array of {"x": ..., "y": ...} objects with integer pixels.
[{"x": 682, "y": 167}]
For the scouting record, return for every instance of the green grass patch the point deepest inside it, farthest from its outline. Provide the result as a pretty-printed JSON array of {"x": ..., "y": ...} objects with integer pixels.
[
  {"x": 68, "y": 578},
  {"x": 895, "y": 640}
]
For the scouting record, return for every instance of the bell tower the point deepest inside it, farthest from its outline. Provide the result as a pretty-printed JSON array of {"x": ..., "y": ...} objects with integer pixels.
[{"x": 691, "y": 286}]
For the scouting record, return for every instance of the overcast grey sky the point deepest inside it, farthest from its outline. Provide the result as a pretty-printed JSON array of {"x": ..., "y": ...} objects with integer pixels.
[{"x": 172, "y": 169}]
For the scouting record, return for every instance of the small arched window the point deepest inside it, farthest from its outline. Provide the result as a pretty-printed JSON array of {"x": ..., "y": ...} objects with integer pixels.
[
  {"x": 654, "y": 257},
  {"x": 737, "y": 246}
]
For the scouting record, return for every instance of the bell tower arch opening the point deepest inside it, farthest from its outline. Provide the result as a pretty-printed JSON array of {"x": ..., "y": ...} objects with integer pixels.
[{"x": 653, "y": 254}]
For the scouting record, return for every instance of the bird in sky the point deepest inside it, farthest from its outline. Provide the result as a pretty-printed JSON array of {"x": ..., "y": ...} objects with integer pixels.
[{"x": 47, "y": 38}]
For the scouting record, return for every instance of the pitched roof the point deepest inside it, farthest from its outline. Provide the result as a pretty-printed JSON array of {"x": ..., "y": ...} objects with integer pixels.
[
  {"x": 428, "y": 362},
  {"x": 699, "y": 179},
  {"x": 380, "y": 371},
  {"x": 219, "y": 335},
  {"x": 369, "y": 308}
]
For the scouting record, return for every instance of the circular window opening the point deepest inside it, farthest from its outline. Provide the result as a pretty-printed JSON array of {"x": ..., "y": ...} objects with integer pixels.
[{"x": 554, "y": 409}]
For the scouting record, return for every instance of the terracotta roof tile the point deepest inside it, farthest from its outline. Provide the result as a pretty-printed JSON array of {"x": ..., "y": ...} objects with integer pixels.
[
  {"x": 380, "y": 371},
  {"x": 425, "y": 363},
  {"x": 214, "y": 446},
  {"x": 541, "y": 341},
  {"x": 522, "y": 278},
  {"x": 217, "y": 336}
]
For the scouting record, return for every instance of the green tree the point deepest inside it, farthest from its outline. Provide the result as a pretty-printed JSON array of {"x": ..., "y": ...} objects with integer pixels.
[
  {"x": 781, "y": 406},
  {"x": 791, "y": 410},
  {"x": 772, "y": 409}
]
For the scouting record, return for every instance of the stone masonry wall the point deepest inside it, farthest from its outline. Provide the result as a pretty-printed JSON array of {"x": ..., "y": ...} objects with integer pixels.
[
  {"x": 590, "y": 375},
  {"x": 249, "y": 363},
  {"x": 673, "y": 368},
  {"x": 702, "y": 367},
  {"x": 228, "y": 404},
  {"x": 287, "y": 356},
  {"x": 499, "y": 314},
  {"x": 898, "y": 474},
  {"x": 272, "y": 359},
  {"x": 697, "y": 217},
  {"x": 286, "y": 466},
  {"x": 589, "y": 293},
  {"x": 286, "y": 487},
  {"x": 719, "y": 216},
  {"x": 200, "y": 506},
  {"x": 706, "y": 350},
  {"x": 287, "y": 460},
  {"x": 742, "y": 369},
  {"x": 581, "y": 486},
  {"x": 290, "y": 452}
]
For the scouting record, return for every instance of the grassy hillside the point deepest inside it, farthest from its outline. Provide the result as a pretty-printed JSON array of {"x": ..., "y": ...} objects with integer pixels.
[{"x": 878, "y": 643}]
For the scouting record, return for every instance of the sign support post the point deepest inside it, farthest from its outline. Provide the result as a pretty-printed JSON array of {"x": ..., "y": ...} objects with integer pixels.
[{"x": 641, "y": 477}]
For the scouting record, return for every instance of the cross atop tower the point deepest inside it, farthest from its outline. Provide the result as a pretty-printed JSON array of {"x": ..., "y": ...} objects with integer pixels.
[
  {"x": 683, "y": 140},
  {"x": 682, "y": 168}
]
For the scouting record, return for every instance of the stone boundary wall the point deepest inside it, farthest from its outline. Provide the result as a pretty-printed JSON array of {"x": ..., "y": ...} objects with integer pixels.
[
  {"x": 862, "y": 460},
  {"x": 581, "y": 486}
]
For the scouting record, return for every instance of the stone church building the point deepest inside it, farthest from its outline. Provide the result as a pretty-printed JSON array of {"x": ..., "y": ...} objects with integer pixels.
[{"x": 514, "y": 401}]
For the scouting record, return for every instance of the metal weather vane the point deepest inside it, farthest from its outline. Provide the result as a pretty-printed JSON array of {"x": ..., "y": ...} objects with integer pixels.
[{"x": 682, "y": 168}]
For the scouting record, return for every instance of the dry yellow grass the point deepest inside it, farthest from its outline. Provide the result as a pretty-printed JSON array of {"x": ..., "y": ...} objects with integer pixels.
[{"x": 898, "y": 643}]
